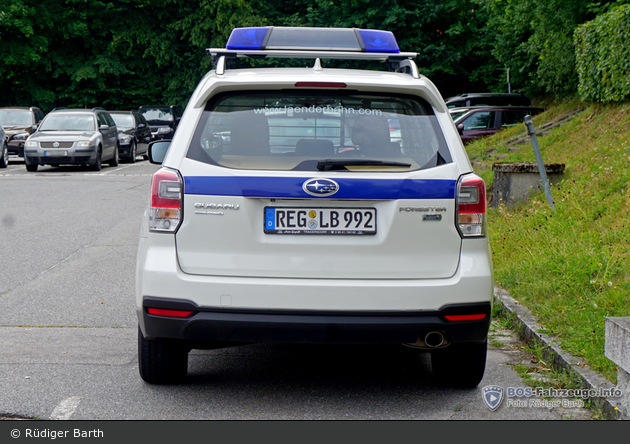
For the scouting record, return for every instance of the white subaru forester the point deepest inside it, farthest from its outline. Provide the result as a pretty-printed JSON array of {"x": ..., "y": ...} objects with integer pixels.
[{"x": 314, "y": 205}]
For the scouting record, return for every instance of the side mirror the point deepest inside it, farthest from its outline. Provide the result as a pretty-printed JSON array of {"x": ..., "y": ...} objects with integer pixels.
[
  {"x": 34, "y": 127},
  {"x": 103, "y": 127},
  {"x": 142, "y": 125},
  {"x": 158, "y": 150},
  {"x": 460, "y": 129}
]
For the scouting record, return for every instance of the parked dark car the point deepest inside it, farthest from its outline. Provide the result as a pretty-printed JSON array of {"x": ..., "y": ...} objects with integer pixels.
[
  {"x": 488, "y": 99},
  {"x": 477, "y": 122},
  {"x": 18, "y": 124},
  {"x": 163, "y": 120},
  {"x": 134, "y": 134},
  {"x": 73, "y": 137}
]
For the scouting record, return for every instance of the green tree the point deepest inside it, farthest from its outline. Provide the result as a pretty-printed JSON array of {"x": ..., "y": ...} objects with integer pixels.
[
  {"x": 113, "y": 54},
  {"x": 454, "y": 47},
  {"x": 130, "y": 52},
  {"x": 534, "y": 38}
]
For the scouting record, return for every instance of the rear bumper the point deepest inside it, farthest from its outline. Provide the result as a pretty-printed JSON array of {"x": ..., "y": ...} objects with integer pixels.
[
  {"x": 295, "y": 326},
  {"x": 254, "y": 309}
]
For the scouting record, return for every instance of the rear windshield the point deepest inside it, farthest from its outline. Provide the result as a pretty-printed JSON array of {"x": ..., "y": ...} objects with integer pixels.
[{"x": 289, "y": 130}]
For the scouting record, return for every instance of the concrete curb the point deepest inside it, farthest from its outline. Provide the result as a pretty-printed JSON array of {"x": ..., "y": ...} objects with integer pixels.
[{"x": 528, "y": 328}]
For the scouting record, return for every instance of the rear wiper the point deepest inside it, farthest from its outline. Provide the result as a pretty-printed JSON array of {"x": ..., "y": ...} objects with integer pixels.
[{"x": 329, "y": 164}]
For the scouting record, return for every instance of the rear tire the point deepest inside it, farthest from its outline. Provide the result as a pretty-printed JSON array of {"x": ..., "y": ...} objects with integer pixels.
[
  {"x": 162, "y": 360},
  {"x": 460, "y": 365}
]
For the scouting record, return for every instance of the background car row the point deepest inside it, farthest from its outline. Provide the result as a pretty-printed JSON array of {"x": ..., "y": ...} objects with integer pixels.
[
  {"x": 475, "y": 115},
  {"x": 86, "y": 137}
]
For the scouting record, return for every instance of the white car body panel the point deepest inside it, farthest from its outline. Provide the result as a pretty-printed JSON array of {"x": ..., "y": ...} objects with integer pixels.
[{"x": 160, "y": 276}]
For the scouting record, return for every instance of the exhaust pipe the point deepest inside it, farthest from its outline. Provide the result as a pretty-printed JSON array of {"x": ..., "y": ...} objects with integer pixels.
[{"x": 434, "y": 339}]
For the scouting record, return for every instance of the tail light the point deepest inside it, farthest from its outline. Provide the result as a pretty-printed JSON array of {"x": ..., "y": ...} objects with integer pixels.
[
  {"x": 471, "y": 206},
  {"x": 166, "y": 201}
]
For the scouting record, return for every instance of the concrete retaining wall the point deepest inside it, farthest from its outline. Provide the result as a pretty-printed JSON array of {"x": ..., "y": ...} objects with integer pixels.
[{"x": 516, "y": 182}]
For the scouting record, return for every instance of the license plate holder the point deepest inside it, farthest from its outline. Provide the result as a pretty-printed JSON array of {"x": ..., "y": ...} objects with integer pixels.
[
  {"x": 56, "y": 153},
  {"x": 320, "y": 221}
]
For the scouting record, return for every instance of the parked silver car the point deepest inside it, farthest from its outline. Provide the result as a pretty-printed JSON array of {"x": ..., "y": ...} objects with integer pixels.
[{"x": 73, "y": 137}]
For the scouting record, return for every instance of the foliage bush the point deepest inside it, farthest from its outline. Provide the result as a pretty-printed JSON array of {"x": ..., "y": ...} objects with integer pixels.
[{"x": 603, "y": 57}]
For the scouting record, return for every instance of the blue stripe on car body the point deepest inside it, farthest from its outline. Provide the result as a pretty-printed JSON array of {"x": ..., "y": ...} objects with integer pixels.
[{"x": 291, "y": 187}]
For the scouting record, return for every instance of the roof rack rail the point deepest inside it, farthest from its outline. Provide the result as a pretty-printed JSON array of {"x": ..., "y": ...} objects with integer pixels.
[
  {"x": 313, "y": 43},
  {"x": 98, "y": 107},
  {"x": 157, "y": 106}
]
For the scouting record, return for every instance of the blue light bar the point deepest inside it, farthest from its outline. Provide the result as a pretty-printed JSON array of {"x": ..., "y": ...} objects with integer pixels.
[
  {"x": 379, "y": 41},
  {"x": 248, "y": 38},
  {"x": 313, "y": 39}
]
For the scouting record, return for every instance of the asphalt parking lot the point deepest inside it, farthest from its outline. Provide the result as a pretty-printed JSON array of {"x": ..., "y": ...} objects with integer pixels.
[{"x": 68, "y": 329}]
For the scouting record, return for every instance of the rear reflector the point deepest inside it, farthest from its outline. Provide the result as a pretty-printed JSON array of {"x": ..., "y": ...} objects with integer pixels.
[
  {"x": 471, "y": 317},
  {"x": 169, "y": 313}
]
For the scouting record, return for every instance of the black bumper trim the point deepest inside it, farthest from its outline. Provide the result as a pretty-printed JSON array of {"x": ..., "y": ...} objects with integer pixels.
[{"x": 220, "y": 324}]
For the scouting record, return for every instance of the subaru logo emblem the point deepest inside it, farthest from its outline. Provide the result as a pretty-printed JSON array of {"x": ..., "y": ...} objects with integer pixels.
[
  {"x": 320, "y": 187},
  {"x": 492, "y": 396},
  {"x": 56, "y": 144}
]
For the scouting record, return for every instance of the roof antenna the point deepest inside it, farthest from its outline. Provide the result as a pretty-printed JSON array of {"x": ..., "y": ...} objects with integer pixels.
[{"x": 318, "y": 65}]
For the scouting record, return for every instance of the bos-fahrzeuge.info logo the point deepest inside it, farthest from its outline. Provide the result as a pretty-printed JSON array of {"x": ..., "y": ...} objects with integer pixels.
[{"x": 493, "y": 396}]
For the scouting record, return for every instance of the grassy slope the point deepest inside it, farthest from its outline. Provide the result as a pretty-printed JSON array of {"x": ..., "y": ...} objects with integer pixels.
[{"x": 571, "y": 268}]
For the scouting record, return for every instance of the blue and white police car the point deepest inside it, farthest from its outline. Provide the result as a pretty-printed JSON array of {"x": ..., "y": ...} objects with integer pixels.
[{"x": 314, "y": 205}]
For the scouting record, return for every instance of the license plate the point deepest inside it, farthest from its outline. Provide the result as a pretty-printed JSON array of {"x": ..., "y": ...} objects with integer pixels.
[
  {"x": 308, "y": 220},
  {"x": 55, "y": 153}
]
